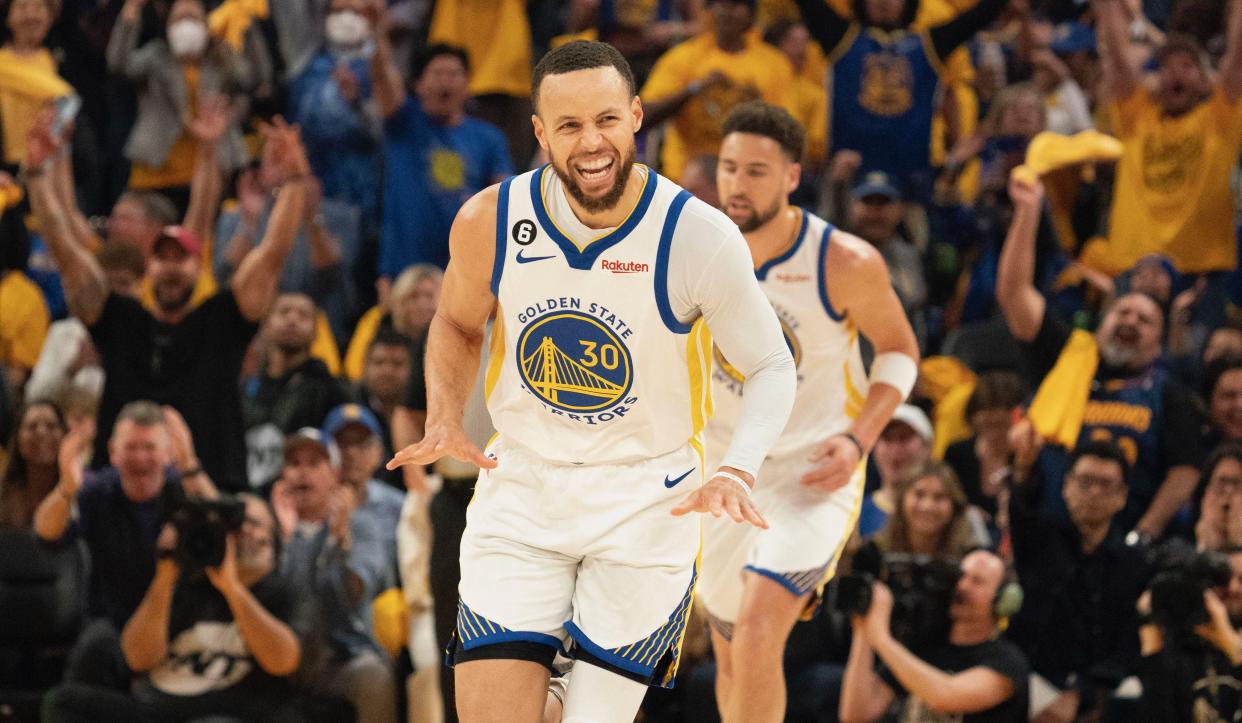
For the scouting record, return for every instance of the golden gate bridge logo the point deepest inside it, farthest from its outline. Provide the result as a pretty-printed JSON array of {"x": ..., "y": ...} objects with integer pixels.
[{"x": 574, "y": 362}]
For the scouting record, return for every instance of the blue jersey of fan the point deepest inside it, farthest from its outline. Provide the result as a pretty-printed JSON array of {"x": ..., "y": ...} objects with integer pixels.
[{"x": 588, "y": 364}]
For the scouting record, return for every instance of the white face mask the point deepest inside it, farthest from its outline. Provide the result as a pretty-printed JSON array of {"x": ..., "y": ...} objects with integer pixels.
[
  {"x": 187, "y": 38},
  {"x": 347, "y": 29}
]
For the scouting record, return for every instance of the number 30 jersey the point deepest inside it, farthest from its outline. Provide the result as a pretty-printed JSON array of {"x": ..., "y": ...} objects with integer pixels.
[{"x": 587, "y": 363}]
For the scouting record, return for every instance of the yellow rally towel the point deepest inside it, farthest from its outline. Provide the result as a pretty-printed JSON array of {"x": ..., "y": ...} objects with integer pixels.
[
  {"x": 949, "y": 383},
  {"x": 390, "y": 620},
  {"x": 232, "y": 19},
  {"x": 27, "y": 80},
  {"x": 1062, "y": 397},
  {"x": 1049, "y": 151}
]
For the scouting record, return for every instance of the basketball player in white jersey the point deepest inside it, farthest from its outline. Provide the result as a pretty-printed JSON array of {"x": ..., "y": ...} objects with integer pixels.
[
  {"x": 605, "y": 280},
  {"x": 827, "y": 287}
]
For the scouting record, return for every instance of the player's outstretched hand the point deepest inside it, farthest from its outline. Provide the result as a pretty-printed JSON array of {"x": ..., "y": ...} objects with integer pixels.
[
  {"x": 722, "y": 496},
  {"x": 835, "y": 461},
  {"x": 442, "y": 441}
]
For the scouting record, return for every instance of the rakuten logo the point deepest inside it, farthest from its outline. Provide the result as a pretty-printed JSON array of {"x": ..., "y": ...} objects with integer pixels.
[{"x": 624, "y": 267}]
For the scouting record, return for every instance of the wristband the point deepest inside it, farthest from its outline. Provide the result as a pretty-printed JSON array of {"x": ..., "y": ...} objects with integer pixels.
[
  {"x": 850, "y": 436},
  {"x": 735, "y": 478},
  {"x": 191, "y": 472},
  {"x": 897, "y": 370}
]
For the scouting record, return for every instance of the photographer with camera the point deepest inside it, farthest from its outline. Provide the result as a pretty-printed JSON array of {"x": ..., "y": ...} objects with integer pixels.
[
  {"x": 208, "y": 639},
  {"x": 1077, "y": 624},
  {"x": 1191, "y": 666},
  {"x": 975, "y": 675}
]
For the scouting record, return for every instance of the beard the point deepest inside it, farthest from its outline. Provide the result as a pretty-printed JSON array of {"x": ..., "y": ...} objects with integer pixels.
[
  {"x": 758, "y": 219},
  {"x": 173, "y": 297},
  {"x": 609, "y": 200}
]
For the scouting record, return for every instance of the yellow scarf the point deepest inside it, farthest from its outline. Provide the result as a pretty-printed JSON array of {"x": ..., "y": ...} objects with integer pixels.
[
  {"x": 233, "y": 18},
  {"x": 1059, "y": 403}
]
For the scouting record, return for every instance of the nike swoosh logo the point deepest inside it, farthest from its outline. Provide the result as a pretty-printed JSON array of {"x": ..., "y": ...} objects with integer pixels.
[
  {"x": 671, "y": 483},
  {"x": 530, "y": 259}
]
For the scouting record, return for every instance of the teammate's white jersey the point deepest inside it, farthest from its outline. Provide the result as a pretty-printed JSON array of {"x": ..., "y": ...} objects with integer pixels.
[
  {"x": 588, "y": 363},
  {"x": 832, "y": 383}
]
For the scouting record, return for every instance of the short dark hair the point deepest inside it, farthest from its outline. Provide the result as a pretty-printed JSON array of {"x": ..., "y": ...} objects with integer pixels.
[
  {"x": 143, "y": 413},
  {"x": 1224, "y": 451},
  {"x": 763, "y": 119},
  {"x": 580, "y": 55},
  {"x": 1102, "y": 450},
  {"x": 424, "y": 57},
  {"x": 996, "y": 389},
  {"x": 389, "y": 337},
  {"x": 1218, "y": 369},
  {"x": 155, "y": 206}
]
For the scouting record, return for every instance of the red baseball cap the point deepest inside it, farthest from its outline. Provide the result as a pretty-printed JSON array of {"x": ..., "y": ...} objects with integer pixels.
[{"x": 184, "y": 238}]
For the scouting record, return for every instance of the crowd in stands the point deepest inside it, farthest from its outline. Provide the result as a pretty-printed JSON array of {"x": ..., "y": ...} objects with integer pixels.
[{"x": 223, "y": 226}]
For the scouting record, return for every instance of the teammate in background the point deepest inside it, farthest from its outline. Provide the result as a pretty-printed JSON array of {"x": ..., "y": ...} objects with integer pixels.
[
  {"x": 604, "y": 278},
  {"x": 826, "y": 287}
]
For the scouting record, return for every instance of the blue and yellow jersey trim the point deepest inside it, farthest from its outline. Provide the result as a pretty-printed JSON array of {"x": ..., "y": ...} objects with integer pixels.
[
  {"x": 655, "y": 656},
  {"x": 761, "y": 273},
  {"x": 699, "y": 368},
  {"x": 495, "y": 354},
  {"x": 823, "y": 275},
  {"x": 583, "y": 256},
  {"x": 474, "y": 631},
  {"x": 661, "y": 269}
]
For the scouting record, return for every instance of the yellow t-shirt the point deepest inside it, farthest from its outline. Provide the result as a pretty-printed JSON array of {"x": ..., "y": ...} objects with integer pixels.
[
  {"x": 35, "y": 81},
  {"x": 758, "y": 71},
  {"x": 178, "y": 168},
  {"x": 811, "y": 100},
  {"x": 1172, "y": 194},
  {"x": 23, "y": 320},
  {"x": 496, "y": 36}
]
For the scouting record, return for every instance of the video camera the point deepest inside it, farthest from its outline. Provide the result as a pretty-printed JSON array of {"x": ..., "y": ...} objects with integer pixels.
[
  {"x": 1182, "y": 574},
  {"x": 202, "y": 526},
  {"x": 922, "y": 587}
]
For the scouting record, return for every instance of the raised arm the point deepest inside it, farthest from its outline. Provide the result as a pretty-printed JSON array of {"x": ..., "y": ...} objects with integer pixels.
[
  {"x": 51, "y": 517},
  {"x": 386, "y": 79},
  {"x": 122, "y": 56},
  {"x": 864, "y": 695},
  {"x": 273, "y": 644},
  {"x": 1121, "y": 78},
  {"x": 207, "y": 184},
  {"x": 859, "y": 288},
  {"x": 947, "y": 37},
  {"x": 1021, "y": 303},
  {"x": 254, "y": 282},
  {"x": 824, "y": 24},
  {"x": 455, "y": 339},
  {"x": 86, "y": 286},
  {"x": 1231, "y": 64}
]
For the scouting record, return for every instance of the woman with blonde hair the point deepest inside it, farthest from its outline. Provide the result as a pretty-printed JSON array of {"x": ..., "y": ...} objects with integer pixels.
[{"x": 931, "y": 514}]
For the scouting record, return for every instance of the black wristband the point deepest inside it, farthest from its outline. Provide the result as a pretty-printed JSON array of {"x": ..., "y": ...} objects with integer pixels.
[
  {"x": 862, "y": 452},
  {"x": 191, "y": 472}
]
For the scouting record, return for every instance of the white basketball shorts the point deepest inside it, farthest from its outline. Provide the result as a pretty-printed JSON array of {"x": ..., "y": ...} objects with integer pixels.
[{"x": 582, "y": 558}]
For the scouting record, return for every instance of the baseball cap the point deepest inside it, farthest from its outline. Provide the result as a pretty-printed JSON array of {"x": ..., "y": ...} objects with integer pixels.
[
  {"x": 309, "y": 436},
  {"x": 346, "y": 414},
  {"x": 914, "y": 418},
  {"x": 185, "y": 238},
  {"x": 877, "y": 183}
]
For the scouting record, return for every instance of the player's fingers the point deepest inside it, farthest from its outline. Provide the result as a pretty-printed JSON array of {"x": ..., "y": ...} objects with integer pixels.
[
  {"x": 690, "y": 503},
  {"x": 821, "y": 452},
  {"x": 732, "y": 507},
  {"x": 714, "y": 504},
  {"x": 409, "y": 455},
  {"x": 813, "y": 477},
  {"x": 475, "y": 456},
  {"x": 752, "y": 514}
]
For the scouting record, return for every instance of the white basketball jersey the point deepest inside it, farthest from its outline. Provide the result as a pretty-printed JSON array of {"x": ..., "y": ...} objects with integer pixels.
[
  {"x": 588, "y": 364},
  {"x": 832, "y": 383}
]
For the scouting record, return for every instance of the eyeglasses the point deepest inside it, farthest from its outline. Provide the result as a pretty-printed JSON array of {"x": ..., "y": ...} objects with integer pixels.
[{"x": 1103, "y": 484}]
